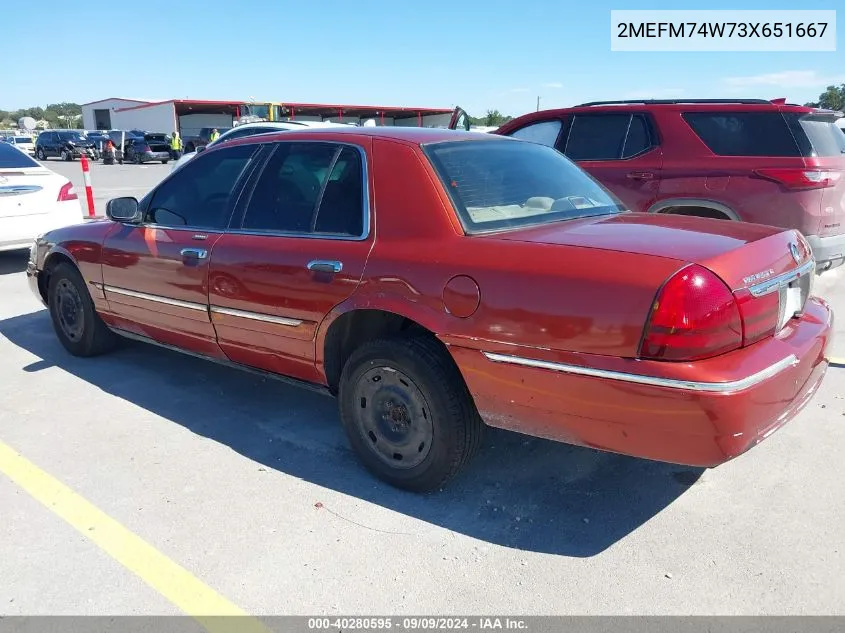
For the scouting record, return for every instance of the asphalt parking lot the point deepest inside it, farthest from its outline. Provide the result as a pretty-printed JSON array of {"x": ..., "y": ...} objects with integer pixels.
[{"x": 146, "y": 462}]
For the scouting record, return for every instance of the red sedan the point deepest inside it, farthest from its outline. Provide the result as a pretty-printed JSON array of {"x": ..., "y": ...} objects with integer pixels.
[{"x": 437, "y": 281}]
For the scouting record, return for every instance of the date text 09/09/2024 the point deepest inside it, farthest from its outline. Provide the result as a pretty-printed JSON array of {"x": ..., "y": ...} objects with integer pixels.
[{"x": 417, "y": 623}]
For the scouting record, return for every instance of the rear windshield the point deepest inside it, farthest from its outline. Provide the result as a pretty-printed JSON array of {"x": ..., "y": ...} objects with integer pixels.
[
  {"x": 11, "y": 157},
  {"x": 497, "y": 185},
  {"x": 23, "y": 139},
  {"x": 824, "y": 137}
]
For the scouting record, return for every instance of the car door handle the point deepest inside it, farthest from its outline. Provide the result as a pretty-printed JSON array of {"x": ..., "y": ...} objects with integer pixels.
[
  {"x": 640, "y": 175},
  {"x": 325, "y": 266},
  {"x": 194, "y": 253}
]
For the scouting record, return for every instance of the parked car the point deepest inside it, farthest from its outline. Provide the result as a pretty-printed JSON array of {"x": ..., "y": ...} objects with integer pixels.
[
  {"x": 33, "y": 199},
  {"x": 192, "y": 141},
  {"x": 22, "y": 142},
  {"x": 98, "y": 138},
  {"x": 251, "y": 129},
  {"x": 503, "y": 286},
  {"x": 64, "y": 144},
  {"x": 752, "y": 160},
  {"x": 139, "y": 150}
]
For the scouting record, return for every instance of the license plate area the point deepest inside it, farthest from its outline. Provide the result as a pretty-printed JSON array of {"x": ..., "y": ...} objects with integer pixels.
[{"x": 793, "y": 297}]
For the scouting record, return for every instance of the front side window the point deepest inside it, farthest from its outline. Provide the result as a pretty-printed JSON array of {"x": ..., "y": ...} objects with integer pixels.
[
  {"x": 198, "y": 194},
  {"x": 544, "y": 132},
  {"x": 309, "y": 188},
  {"x": 497, "y": 185}
]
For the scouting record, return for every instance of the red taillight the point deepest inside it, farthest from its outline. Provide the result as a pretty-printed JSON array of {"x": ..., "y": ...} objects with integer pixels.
[
  {"x": 760, "y": 315},
  {"x": 695, "y": 316},
  {"x": 799, "y": 178},
  {"x": 67, "y": 193}
]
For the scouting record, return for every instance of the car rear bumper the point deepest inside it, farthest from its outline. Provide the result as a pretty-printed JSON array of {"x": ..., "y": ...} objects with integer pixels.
[
  {"x": 829, "y": 251},
  {"x": 698, "y": 414},
  {"x": 155, "y": 156}
]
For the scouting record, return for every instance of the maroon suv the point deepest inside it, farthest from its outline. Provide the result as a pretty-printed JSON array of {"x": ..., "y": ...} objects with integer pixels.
[{"x": 750, "y": 160}]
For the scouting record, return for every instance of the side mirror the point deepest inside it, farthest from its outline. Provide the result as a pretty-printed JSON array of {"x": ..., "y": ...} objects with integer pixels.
[
  {"x": 124, "y": 210},
  {"x": 201, "y": 148}
]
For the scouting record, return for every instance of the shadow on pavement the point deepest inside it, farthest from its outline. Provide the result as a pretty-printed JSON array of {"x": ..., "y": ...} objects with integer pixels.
[
  {"x": 13, "y": 261},
  {"x": 519, "y": 492}
]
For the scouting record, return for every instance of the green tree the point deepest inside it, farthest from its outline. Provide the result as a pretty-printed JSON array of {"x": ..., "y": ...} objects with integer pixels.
[
  {"x": 52, "y": 116},
  {"x": 833, "y": 98}
]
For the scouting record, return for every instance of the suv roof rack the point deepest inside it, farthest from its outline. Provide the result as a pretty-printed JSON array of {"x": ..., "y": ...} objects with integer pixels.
[{"x": 673, "y": 101}]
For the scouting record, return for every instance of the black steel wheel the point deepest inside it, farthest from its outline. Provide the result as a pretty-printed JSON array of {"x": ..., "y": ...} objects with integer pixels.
[
  {"x": 76, "y": 323},
  {"x": 407, "y": 412}
]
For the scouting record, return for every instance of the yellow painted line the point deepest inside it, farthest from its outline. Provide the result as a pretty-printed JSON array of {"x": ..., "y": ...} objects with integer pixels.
[{"x": 168, "y": 578}]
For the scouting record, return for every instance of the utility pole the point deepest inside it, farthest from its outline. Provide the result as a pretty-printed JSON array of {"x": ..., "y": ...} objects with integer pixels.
[{"x": 538, "y": 103}]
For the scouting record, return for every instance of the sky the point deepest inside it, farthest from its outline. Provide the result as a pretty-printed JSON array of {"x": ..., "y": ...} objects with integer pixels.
[{"x": 494, "y": 54}]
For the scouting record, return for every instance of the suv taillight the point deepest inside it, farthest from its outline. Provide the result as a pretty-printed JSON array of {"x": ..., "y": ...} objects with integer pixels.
[
  {"x": 694, "y": 316},
  {"x": 67, "y": 193},
  {"x": 800, "y": 178}
]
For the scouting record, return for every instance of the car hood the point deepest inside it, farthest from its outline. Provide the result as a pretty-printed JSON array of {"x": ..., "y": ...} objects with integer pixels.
[{"x": 678, "y": 237}]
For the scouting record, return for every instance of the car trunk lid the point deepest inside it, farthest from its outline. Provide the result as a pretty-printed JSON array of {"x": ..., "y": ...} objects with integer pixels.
[
  {"x": 754, "y": 261},
  {"x": 23, "y": 190}
]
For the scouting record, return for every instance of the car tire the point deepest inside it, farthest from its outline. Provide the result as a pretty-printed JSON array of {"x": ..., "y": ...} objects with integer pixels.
[
  {"x": 78, "y": 326},
  {"x": 164, "y": 162},
  {"x": 408, "y": 413},
  {"x": 136, "y": 159},
  {"x": 40, "y": 155},
  {"x": 65, "y": 155}
]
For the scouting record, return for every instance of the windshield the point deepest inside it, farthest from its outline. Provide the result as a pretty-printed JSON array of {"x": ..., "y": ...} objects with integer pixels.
[
  {"x": 12, "y": 157},
  {"x": 70, "y": 136},
  {"x": 505, "y": 184},
  {"x": 262, "y": 111},
  {"x": 23, "y": 139}
]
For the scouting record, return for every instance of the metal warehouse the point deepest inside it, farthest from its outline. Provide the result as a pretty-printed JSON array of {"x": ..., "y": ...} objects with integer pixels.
[{"x": 189, "y": 116}]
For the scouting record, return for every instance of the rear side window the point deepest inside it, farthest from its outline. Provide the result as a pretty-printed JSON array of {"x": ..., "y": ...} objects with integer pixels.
[
  {"x": 823, "y": 137},
  {"x": 544, "y": 132},
  {"x": 497, "y": 185},
  {"x": 744, "y": 133},
  {"x": 11, "y": 157},
  {"x": 309, "y": 188},
  {"x": 607, "y": 136}
]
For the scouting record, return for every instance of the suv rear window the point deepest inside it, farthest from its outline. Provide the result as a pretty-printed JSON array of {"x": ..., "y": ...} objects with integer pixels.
[
  {"x": 504, "y": 184},
  {"x": 744, "y": 133}
]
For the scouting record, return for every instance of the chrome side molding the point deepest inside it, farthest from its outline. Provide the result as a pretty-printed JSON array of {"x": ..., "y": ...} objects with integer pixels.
[{"x": 654, "y": 381}]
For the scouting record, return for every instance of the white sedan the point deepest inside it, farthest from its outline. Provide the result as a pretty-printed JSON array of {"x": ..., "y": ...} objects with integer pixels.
[
  {"x": 251, "y": 129},
  {"x": 33, "y": 200}
]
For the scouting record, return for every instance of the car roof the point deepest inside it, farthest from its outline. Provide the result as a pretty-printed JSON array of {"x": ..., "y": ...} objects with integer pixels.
[
  {"x": 686, "y": 105},
  {"x": 410, "y": 135}
]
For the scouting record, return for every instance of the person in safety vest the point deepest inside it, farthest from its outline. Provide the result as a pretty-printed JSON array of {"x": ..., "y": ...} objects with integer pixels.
[
  {"x": 175, "y": 145},
  {"x": 214, "y": 135}
]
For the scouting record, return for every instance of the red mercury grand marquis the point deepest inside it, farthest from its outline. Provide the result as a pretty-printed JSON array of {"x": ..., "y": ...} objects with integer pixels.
[{"x": 436, "y": 281}]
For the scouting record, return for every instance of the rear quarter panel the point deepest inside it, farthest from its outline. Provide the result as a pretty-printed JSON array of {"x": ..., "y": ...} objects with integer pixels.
[
  {"x": 584, "y": 300},
  {"x": 692, "y": 171}
]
